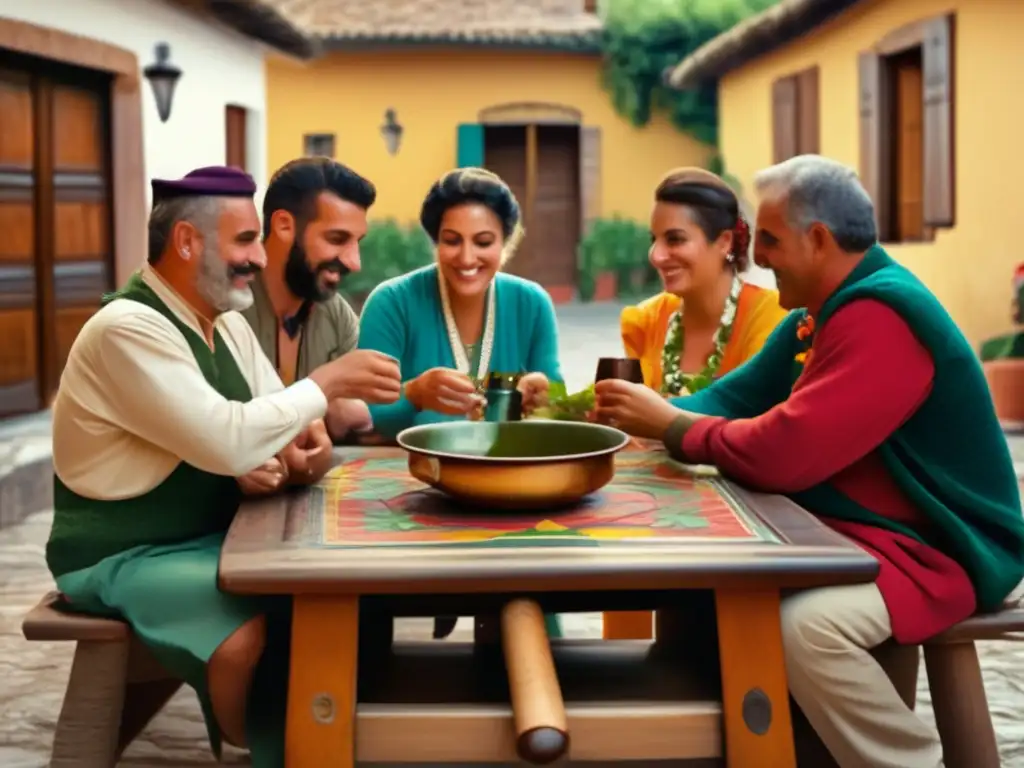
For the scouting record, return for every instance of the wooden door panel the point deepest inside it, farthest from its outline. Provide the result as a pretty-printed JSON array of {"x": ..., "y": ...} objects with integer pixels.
[
  {"x": 82, "y": 247},
  {"x": 909, "y": 154},
  {"x": 78, "y": 130},
  {"x": 19, "y": 318},
  {"x": 16, "y": 130},
  {"x": 69, "y": 322},
  {"x": 81, "y": 227},
  {"x": 19, "y": 387},
  {"x": 556, "y": 209},
  {"x": 505, "y": 155}
]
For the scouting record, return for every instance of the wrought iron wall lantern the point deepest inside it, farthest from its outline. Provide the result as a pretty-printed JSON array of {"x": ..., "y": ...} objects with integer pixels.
[
  {"x": 163, "y": 78},
  {"x": 392, "y": 132}
]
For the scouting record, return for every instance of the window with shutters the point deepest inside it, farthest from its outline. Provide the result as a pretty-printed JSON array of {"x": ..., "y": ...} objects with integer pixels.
[
  {"x": 795, "y": 115},
  {"x": 906, "y": 127}
]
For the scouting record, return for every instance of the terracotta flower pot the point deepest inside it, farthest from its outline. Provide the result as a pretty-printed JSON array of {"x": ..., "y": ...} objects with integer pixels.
[
  {"x": 606, "y": 286},
  {"x": 1006, "y": 383}
]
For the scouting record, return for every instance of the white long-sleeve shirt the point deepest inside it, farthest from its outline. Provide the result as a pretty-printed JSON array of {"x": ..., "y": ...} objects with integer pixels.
[{"x": 132, "y": 402}]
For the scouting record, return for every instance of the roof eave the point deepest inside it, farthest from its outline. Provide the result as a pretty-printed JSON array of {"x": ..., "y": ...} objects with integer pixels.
[
  {"x": 587, "y": 43},
  {"x": 266, "y": 25},
  {"x": 752, "y": 38}
]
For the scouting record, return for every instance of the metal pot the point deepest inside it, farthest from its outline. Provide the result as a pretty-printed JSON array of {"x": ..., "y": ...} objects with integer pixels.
[{"x": 514, "y": 464}]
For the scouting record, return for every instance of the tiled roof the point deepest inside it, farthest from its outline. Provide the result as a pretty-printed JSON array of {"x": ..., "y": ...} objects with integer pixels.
[
  {"x": 330, "y": 24},
  {"x": 752, "y": 38}
]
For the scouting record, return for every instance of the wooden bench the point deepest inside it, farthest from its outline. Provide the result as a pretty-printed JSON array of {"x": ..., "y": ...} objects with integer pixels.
[
  {"x": 954, "y": 678},
  {"x": 958, "y": 691},
  {"x": 115, "y": 687}
]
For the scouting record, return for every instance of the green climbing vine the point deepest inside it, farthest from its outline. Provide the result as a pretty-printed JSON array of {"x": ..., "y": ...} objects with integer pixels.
[{"x": 642, "y": 38}]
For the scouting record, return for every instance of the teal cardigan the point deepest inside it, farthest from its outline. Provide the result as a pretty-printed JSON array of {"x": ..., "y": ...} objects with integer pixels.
[
  {"x": 403, "y": 318},
  {"x": 950, "y": 458}
]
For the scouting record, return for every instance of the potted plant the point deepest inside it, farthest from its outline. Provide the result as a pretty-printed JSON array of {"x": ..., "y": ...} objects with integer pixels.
[{"x": 1003, "y": 361}]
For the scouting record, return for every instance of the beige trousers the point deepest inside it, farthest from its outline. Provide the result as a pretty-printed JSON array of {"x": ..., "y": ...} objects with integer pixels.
[{"x": 845, "y": 694}]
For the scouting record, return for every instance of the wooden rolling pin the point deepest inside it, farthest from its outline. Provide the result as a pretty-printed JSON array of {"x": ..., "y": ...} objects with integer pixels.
[{"x": 542, "y": 734}]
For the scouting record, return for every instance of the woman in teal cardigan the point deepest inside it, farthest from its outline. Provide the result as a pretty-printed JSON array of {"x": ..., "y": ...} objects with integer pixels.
[
  {"x": 460, "y": 318},
  {"x": 456, "y": 320}
]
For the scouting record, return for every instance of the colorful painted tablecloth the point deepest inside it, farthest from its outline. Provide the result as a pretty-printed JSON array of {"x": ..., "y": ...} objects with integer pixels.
[{"x": 372, "y": 500}]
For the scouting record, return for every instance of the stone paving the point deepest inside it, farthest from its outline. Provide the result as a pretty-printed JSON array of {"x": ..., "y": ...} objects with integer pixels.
[{"x": 34, "y": 674}]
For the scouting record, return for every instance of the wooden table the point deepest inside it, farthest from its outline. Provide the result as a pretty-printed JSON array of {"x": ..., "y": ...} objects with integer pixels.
[{"x": 370, "y": 534}]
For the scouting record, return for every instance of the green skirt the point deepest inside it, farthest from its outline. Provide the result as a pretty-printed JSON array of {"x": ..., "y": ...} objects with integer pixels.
[{"x": 169, "y": 596}]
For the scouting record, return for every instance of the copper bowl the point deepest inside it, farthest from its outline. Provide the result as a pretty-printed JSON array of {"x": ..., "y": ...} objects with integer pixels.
[{"x": 514, "y": 464}]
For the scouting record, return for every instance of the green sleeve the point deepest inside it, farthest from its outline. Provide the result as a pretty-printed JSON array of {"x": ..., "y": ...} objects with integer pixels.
[
  {"x": 758, "y": 385},
  {"x": 384, "y": 327}
]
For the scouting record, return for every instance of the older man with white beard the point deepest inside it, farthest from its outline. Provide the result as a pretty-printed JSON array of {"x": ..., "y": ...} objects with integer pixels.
[{"x": 168, "y": 413}]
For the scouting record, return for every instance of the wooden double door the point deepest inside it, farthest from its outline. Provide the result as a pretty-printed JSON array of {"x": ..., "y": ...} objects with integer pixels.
[
  {"x": 541, "y": 165},
  {"x": 56, "y": 249}
]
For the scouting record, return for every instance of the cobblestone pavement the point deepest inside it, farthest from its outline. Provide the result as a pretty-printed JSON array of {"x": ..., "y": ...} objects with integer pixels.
[{"x": 33, "y": 675}]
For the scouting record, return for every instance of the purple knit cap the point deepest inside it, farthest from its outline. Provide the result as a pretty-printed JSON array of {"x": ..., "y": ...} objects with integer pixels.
[{"x": 212, "y": 181}]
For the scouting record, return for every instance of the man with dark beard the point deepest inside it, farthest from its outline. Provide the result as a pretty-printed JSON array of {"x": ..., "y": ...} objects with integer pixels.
[{"x": 314, "y": 215}]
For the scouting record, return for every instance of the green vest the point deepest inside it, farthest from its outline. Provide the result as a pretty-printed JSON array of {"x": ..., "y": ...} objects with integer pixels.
[{"x": 189, "y": 504}]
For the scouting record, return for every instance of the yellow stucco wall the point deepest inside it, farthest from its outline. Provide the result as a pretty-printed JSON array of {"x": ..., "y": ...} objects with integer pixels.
[
  {"x": 970, "y": 266},
  {"x": 432, "y": 91}
]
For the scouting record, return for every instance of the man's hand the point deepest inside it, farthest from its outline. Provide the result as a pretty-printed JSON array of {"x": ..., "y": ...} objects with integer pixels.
[
  {"x": 634, "y": 408},
  {"x": 265, "y": 479},
  {"x": 364, "y": 374},
  {"x": 345, "y": 416},
  {"x": 308, "y": 457}
]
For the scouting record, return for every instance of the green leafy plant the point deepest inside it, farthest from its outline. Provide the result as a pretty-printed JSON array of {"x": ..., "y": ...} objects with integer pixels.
[
  {"x": 563, "y": 406},
  {"x": 1009, "y": 346},
  {"x": 643, "y": 38},
  {"x": 388, "y": 250},
  {"x": 618, "y": 245}
]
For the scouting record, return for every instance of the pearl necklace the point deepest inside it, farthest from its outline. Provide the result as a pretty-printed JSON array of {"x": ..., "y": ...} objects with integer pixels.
[{"x": 462, "y": 363}]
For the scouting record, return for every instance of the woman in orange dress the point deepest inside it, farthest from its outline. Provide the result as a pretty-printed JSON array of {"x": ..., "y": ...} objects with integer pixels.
[{"x": 707, "y": 321}]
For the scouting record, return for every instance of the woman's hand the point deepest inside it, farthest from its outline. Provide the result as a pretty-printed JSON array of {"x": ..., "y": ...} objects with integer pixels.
[
  {"x": 443, "y": 390},
  {"x": 634, "y": 408},
  {"x": 534, "y": 389},
  {"x": 265, "y": 479}
]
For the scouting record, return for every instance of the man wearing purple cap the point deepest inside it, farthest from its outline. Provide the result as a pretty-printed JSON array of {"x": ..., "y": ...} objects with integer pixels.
[{"x": 167, "y": 414}]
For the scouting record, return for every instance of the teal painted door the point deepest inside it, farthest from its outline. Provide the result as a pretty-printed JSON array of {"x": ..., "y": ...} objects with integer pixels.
[{"x": 470, "y": 145}]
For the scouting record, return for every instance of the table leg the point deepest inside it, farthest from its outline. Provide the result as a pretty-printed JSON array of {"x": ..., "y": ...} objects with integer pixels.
[
  {"x": 755, "y": 696},
  {"x": 322, "y": 684}
]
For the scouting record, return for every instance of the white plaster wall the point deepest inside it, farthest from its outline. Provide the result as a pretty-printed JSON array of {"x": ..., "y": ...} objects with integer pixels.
[{"x": 219, "y": 66}]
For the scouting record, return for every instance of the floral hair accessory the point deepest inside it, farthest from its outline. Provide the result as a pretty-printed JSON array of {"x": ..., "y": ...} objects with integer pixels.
[{"x": 741, "y": 236}]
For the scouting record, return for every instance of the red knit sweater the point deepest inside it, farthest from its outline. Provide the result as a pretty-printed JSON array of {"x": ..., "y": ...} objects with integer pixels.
[{"x": 866, "y": 376}]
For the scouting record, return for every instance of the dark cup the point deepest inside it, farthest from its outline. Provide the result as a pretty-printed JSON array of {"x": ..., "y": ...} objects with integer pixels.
[{"x": 625, "y": 368}]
